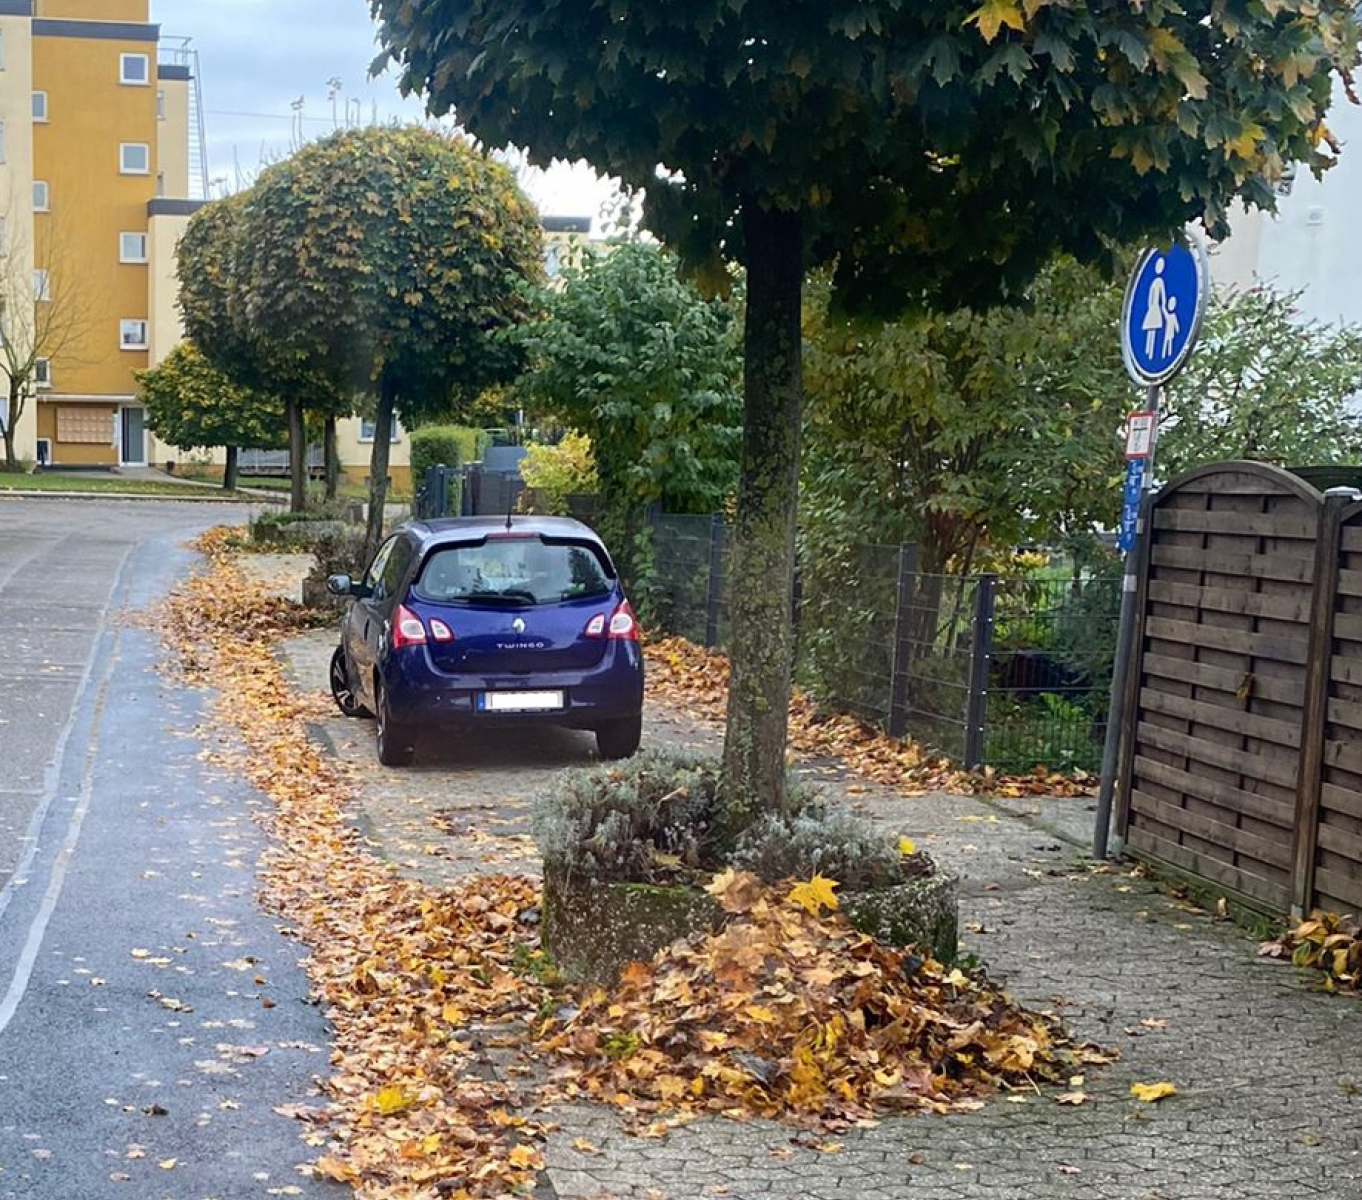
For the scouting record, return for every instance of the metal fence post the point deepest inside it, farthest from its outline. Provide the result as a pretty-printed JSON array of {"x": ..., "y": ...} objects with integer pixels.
[
  {"x": 716, "y": 579},
  {"x": 981, "y": 643},
  {"x": 903, "y": 646}
]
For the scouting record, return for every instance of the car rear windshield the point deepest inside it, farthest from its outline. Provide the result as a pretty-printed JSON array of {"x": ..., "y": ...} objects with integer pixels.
[{"x": 512, "y": 570}]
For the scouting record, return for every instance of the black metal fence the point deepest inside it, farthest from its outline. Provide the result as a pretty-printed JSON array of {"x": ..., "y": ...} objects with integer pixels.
[
  {"x": 1009, "y": 673},
  {"x": 472, "y": 491}
]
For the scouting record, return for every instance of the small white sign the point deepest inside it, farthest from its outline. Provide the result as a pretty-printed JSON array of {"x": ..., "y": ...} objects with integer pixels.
[{"x": 1140, "y": 434}]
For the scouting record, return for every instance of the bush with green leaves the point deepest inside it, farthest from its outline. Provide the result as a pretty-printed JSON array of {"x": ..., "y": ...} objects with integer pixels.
[
  {"x": 553, "y": 474},
  {"x": 444, "y": 445}
]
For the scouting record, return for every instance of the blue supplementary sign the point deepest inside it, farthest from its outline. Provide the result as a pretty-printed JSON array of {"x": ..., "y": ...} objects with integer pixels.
[
  {"x": 1130, "y": 504},
  {"x": 1164, "y": 303}
]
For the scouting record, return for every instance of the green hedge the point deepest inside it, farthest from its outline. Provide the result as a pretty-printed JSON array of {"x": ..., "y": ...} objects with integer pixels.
[{"x": 452, "y": 445}]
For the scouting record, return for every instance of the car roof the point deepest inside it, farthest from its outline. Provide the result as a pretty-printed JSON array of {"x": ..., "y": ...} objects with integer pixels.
[{"x": 453, "y": 529}]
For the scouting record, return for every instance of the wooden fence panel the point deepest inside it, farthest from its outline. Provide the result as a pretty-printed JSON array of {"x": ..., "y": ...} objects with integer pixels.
[
  {"x": 1336, "y": 881},
  {"x": 1211, "y": 762}
]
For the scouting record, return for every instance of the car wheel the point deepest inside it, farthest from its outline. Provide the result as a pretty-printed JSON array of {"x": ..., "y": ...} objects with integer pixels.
[
  {"x": 619, "y": 739},
  {"x": 347, "y": 699},
  {"x": 396, "y": 743}
]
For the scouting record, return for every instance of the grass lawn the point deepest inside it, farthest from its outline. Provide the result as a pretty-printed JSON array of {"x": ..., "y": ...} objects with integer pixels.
[{"x": 97, "y": 483}]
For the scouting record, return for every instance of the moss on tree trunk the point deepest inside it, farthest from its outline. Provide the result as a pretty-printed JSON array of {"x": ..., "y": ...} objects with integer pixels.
[{"x": 764, "y": 541}]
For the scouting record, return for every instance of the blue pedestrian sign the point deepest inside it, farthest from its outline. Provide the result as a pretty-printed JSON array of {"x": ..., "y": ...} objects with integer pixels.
[
  {"x": 1164, "y": 303},
  {"x": 1130, "y": 504}
]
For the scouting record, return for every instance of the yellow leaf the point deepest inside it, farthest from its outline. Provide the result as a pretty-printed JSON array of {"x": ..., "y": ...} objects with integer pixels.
[
  {"x": 761, "y": 1014},
  {"x": 992, "y": 15},
  {"x": 1151, "y": 1093},
  {"x": 814, "y": 894},
  {"x": 907, "y": 845},
  {"x": 167, "y": 1164},
  {"x": 392, "y": 1099},
  {"x": 582, "y": 1146},
  {"x": 526, "y": 1158}
]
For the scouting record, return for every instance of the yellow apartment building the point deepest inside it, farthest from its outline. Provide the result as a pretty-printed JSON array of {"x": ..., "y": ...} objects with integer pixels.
[{"x": 95, "y": 174}]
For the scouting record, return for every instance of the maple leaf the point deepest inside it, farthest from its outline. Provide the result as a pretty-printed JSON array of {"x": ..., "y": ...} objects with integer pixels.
[
  {"x": 814, "y": 894},
  {"x": 907, "y": 846},
  {"x": 1152, "y": 1093},
  {"x": 736, "y": 891}
]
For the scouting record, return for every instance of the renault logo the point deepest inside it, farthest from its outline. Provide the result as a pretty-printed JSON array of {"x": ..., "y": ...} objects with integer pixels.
[{"x": 518, "y": 625}]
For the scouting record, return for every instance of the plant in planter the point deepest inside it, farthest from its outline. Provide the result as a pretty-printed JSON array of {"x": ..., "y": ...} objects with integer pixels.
[{"x": 627, "y": 848}]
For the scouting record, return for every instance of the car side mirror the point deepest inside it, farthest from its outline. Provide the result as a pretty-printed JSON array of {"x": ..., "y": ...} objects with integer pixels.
[{"x": 340, "y": 585}]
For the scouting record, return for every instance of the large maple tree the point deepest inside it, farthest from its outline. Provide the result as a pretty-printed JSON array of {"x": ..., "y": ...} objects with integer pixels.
[{"x": 933, "y": 151}]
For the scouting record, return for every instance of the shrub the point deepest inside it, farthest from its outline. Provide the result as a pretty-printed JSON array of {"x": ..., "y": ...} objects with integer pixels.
[
  {"x": 655, "y": 818},
  {"x": 639, "y": 820},
  {"x": 450, "y": 445},
  {"x": 555, "y": 473},
  {"x": 827, "y": 839}
]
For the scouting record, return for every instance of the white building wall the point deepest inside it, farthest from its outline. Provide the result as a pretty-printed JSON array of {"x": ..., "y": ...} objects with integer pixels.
[{"x": 1314, "y": 242}]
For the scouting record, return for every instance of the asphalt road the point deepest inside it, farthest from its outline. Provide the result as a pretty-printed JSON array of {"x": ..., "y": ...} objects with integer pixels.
[{"x": 151, "y": 1017}]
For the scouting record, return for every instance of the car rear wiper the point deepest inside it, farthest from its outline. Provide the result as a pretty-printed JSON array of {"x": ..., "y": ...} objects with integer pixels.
[{"x": 514, "y": 595}]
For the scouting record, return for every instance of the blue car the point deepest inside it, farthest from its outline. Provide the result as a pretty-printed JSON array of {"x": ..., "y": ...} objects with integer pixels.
[{"x": 468, "y": 622}]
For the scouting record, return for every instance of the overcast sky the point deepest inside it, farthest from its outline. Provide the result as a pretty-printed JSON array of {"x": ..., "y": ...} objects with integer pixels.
[{"x": 266, "y": 69}]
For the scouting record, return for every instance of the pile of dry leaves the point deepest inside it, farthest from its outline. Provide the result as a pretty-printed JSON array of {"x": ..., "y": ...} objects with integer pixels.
[
  {"x": 789, "y": 1012},
  {"x": 696, "y": 679},
  {"x": 785, "y": 1013}
]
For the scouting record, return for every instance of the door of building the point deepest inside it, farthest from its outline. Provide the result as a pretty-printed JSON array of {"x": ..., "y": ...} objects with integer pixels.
[{"x": 132, "y": 450}]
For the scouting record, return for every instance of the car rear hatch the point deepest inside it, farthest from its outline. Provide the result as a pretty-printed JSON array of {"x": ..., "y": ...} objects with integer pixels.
[{"x": 515, "y": 605}]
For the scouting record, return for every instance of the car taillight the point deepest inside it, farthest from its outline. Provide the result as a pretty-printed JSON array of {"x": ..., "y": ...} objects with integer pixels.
[
  {"x": 621, "y": 626},
  {"x": 407, "y": 628},
  {"x": 440, "y": 631}
]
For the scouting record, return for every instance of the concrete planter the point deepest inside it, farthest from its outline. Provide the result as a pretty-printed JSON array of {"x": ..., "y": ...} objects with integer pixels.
[{"x": 592, "y": 928}]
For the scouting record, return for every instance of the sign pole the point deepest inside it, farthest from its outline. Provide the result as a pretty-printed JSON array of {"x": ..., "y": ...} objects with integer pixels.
[
  {"x": 1120, "y": 669},
  {"x": 1161, "y": 317}
]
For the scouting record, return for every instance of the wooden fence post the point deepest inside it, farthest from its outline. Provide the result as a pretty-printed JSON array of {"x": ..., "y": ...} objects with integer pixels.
[
  {"x": 981, "y": 645},
  {"x": 1314, "y": 713},
  {"x": 714, "y": 592},
  {"x": 903, "y": 647}
]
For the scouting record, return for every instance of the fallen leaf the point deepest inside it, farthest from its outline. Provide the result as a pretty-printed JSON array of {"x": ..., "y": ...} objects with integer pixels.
[{"x": 1151, "y": 1093}]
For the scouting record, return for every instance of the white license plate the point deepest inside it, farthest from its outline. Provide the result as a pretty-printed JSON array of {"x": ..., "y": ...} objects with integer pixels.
[{"x": 521, "y": 701}]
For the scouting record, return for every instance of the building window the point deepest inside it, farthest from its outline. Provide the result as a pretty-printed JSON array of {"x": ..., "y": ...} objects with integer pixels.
[
  {"x": 132, "y": 247},
  {"x": 40, "y": 106},
  {"x": 42, "y": 284},
  {"x": 134, "y": 158},
  {"x": 134, "y": 69},
  {"x": 160, "y": 106},
  {"x": 368, "y": 428},
  {"x": 42, "y": 372},
  {"x": 2, "y": 51},
  {"x": 40, "y": 195},
  {"x": 132, "y": 334}
]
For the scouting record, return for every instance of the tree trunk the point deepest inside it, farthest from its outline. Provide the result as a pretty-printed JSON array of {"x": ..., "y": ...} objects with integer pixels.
[
  {"x": 761, "y": 652},
  {"x": 229, "y": 472},
  {"x": 297, "y": 457},
  {"x": 16, "y": 410},
  {"x": 331, "y": 453},
  {"x": 378, "y": 464}
]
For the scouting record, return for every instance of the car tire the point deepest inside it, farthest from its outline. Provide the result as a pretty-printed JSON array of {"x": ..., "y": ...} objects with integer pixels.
[
  {"x": 396, "y": 744},
  {"x": 619, "y": 739},
  {"x": 342, "y": 691}
]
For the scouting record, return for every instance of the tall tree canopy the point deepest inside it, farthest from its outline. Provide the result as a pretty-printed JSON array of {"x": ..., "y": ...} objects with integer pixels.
[
  {"x": 637, "y": 359},
  {"x": 384, "y": 259},
  {"x": 935, "y": 151},
  {"x": 193, "y": 405},
  {"x": 210, "y": 265}
]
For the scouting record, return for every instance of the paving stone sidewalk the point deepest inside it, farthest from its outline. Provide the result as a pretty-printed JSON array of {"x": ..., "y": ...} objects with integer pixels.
[{"x": 1269, "y": 1073}]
